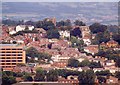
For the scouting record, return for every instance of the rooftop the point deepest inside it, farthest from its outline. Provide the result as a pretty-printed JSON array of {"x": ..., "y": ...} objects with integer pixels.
[{"x": 7, "y": 45}]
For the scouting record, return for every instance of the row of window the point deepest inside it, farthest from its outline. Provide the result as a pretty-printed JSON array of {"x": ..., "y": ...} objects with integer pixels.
[
  {"x": 8, "y": 63},
  {"x": 11, "y": 60},
  {"x": 11, "y": 54},
  {"x": 12, "y": 49}
]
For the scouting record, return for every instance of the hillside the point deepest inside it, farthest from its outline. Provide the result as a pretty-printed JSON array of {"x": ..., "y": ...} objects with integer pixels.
[{"x": 104, "y": 12}]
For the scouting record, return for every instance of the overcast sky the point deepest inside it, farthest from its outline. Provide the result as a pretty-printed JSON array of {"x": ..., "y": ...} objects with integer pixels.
[{"x": 59, "y": 0}]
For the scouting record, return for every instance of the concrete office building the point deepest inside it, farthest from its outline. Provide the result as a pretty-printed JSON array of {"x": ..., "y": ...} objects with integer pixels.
[{"x": 11, "y": 55}]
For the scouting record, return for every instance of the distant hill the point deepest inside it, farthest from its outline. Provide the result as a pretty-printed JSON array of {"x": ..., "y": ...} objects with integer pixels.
[{"x": 104, "y": 12}]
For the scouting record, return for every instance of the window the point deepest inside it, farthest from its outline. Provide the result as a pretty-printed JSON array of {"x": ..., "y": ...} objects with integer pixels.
[
  {"x": 7, "y": 60},
  {"x": 13, "y": 60},
  {"x": 13, "y": 63},
  {"x": 8, "y": 63},
  {"x": 13, "y": 57},
  {"x": 13, "y": 49},
  {"x": 19, "y": 60},
  {"x": 19, "y": 54},
  {"x": 3, "y": 51},
  {"x": 13, "y": 54},
  {"x": 3, "y": 63},
  {"x": 8, "y": 55},
  {"x": 3, "y": 55},
  {"x": 19, "y": 49},
  {"x": 19, "y": 57}
]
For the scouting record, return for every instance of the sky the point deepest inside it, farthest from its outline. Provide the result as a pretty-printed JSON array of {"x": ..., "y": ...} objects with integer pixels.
[{"x": 60, "y": 0}]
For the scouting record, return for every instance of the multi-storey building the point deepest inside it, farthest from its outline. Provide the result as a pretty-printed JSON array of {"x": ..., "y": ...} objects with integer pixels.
[{"x": 11, "y": 55}]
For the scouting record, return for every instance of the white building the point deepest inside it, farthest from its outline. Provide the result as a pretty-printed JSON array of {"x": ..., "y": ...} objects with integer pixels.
[
  {"x": 109, "y": 63},
  {"x": 64, "y": 33},
  {"x": 20, "y": 41},
  {"x": 20, "y": 28},
  {"x": 23, "y": 27},
  {"x": 12, "y": 32},
  {"x": 57, "y": 58},
  {"x": 87, "y": 41},
  {"x": 98, "y": 69},
  {"x": 30, "y": 28}
]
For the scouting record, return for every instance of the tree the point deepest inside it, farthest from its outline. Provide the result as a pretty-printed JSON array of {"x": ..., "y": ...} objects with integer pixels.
[
  {"x": 27, "y": 78},
  {"x": 30, "y": 23},
  {"x": 81, "y": 46},
  {"x": 95, "y": 65},
  {"x": 52, "y": 75},
  {"x": 102, "y": 37},
  {"x": 76, "y": 32},
  {"x": 116, "y": 37},
  {"x": 65, "y": 72},
  {"x": 8, "y": 73},
  {"x": 97, "y": 27},
  {"x": 40, "y": 75},
  {"x": 103, "y": 73},
  {"x": 117, "y": 74},
  {"x": 39, "y": 24},
  {"x": 32, "y": 52},
  {"x": 101, "y": 79},
  {"x": 101, "y": 53},
  {"x": 73, "y": 62},
  {"x": 76, "y": 42},
  {"x": 61, "y": 23},
  {"x": 8, "y": 80},
  {"x": 68, "y": 22},
  {"x": 84, "y": 63},
  {"x": 12, "y": 22},
  {"x": 64, "y": 23},
  {"x": 47, "y": 25},
  {"x": 79, "y": 23},
  {"x": 49, "y": 45},
  {"x": 87, "y": 78},
  {"x": 53, "y": 33},
  {"x": 117, "y": 61},
  {"x": 62, "y": 72},
  {"x": 113, "y": 28},
  {"x": 19, "y": 74}
]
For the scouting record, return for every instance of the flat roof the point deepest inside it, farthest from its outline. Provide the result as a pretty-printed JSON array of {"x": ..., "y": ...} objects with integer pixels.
[{"x": 10, "y": 45}]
